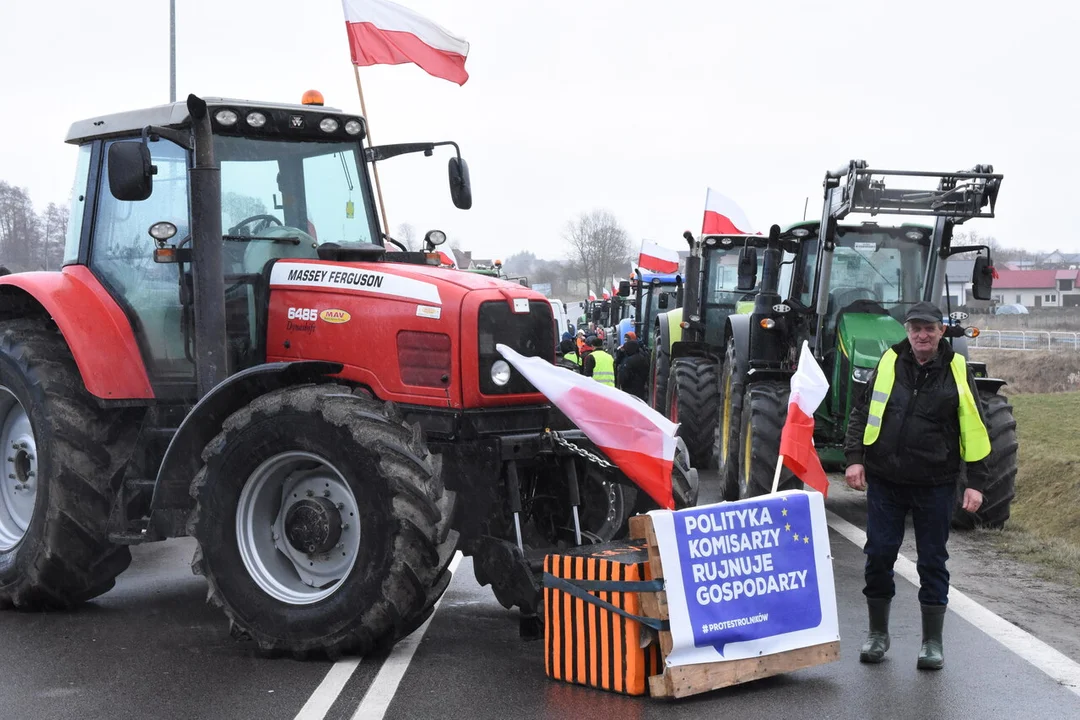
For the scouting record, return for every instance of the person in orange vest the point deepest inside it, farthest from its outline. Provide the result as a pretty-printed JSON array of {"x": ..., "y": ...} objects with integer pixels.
[{"x": 599, "y": 365}]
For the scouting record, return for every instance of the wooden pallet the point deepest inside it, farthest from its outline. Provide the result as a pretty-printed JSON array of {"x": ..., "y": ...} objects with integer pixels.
[{"x": 685, "y": 680}]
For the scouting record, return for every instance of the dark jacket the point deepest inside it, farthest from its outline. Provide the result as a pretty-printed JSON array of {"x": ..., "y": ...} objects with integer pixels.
[
  {"x": 919, "y": 442},
  {"x": 634, "y": 369}
]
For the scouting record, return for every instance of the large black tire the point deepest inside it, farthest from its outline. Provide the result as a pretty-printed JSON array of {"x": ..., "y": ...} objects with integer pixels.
[
  {"x": 694, "y": 402},
  {"x": 400, "y": 567},
  {"x": 763, "y": 413},
  {"x": 729, "y": 423},
  {"x": 1001, "y": 487},
  {"x": 77, "y": 454},
  {"x": 660, "y": 367}
]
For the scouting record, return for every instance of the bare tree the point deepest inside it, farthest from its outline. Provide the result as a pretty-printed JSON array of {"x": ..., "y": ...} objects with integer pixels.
[
  {"x": 55, "y": 221},
  {"x": 599, "y": 247},
  {"x": 20, "y": 228},
  {"x": 406, "y": 235}
]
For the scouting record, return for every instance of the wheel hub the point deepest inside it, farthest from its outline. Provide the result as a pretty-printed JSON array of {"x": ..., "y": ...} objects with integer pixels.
[
  {"x": 18, "y": 470},
  {"x": 313, "y": 525}
]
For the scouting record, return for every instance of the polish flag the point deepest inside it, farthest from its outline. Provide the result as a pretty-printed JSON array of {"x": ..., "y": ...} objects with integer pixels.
[
  {"x": 385, "y": 33},
  {"x": 723, "y": 216},
  {"x": 657, "y": 259},
  {"x": 809, "y": 387},
  {"x": 592, "y": 296},
  {"x": 614, "y": 285},
  {"x": 639, "y": 440},
  {"x": 607, "y": 295}
]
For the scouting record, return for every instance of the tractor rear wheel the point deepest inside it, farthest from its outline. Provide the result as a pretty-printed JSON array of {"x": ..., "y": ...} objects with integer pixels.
[
  {"x": 1001, "y": 486},
  {"x": 693, "y": 400},
  {"x": 63, "y": 457},
  {"x": 323, "y": 524},
  {"x": 729, "y": 423},
  {"x": 764, "y": 410}
]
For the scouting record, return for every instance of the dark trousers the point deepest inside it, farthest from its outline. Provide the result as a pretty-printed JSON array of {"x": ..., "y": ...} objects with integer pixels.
[{"x": 931, "y": 508}]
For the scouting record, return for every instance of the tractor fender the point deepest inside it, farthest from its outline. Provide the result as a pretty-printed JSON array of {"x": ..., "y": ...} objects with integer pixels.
[
  {"x": 738, "y": 327},
  {"x": 94, "y": 326},
  {"x": 183, "y": 458}
]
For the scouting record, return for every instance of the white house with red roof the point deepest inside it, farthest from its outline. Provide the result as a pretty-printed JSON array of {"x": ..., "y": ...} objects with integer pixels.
[{"x": 1038, "y": 288}]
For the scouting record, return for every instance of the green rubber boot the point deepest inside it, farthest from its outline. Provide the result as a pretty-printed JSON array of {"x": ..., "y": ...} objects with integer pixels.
[
  {"x": 932, "y": 652},
  {"x": 877, "y": 641}
]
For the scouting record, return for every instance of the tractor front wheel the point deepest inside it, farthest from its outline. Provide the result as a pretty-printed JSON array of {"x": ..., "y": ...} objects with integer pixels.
[
  {"x": 693, "y": 399},
  {"x": 1001, "y": 464},
  {"x": 322, "y": 523},
  {"x": 660, "y": 369},
  {"x": 62, "y": 458},
  {"x": 764, "y": 410},
  {"x": 729, "y": 423}
]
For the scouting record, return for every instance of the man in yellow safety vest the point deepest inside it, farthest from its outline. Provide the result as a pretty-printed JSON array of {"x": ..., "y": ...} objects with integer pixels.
[
  {"x": 918, "y": 422},
  {"x": 599, "y": 365}
]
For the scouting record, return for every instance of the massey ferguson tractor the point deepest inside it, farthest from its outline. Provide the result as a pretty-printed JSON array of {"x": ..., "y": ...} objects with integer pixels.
[
  {"x": 844, "y": 288},
  {"x": 231, "y": 352}
]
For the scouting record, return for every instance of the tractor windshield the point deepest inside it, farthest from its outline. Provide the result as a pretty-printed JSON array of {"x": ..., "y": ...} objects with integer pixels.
[
  {"x": 883, "y": 265},
  {"x": 722, "y": 273},
  {"x": 311, "y": 190}
]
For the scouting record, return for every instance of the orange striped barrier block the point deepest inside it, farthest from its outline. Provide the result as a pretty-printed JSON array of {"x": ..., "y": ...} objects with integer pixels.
[{"x": 593, "y": 627}]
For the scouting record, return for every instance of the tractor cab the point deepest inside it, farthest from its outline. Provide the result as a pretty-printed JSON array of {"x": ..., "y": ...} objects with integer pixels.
[{"x": 655, "y": 293}]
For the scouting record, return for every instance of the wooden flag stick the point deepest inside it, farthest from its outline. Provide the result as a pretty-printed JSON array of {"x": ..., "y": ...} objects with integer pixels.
[
  {"x": 776, "y": 475},
  {"x": 374, "y": 165}
]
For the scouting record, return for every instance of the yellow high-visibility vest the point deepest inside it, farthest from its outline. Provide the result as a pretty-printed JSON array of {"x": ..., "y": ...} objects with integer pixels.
[
  {"x": 604, "y": 369},
  {"x": 974, "y": 439}
]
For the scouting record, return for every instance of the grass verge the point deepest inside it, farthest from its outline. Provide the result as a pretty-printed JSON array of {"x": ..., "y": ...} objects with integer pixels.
[{"x": 1045, "y": 522}]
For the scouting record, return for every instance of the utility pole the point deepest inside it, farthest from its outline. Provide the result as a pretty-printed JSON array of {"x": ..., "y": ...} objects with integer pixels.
[{"x": 172, "y": 51}]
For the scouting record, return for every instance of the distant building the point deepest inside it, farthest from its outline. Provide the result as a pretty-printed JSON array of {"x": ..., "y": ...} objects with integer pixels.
[
  {"x": 1060, "y": 260},
  {"x": 1038, "y": 288}
]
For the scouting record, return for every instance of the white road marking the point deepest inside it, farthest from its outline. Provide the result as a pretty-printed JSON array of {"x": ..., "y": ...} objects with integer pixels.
[
  {"x": 383, "y": 689},
  {"x": 324, "y": 696},
  {"x": 1058, "y": 666}
]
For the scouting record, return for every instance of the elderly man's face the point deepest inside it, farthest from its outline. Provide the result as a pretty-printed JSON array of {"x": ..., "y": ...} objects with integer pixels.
[{"x": 924, "y": 336}]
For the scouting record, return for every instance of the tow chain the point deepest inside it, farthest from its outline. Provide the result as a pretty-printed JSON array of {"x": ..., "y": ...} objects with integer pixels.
[{"x": 577, "y": 449}]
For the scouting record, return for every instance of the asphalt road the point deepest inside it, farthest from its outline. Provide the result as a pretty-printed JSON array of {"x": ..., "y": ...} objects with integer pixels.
[{"x": 152, "y": 648}]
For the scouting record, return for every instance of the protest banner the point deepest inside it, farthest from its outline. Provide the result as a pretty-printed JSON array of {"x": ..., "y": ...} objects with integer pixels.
[{"x": 748, "y": 578}]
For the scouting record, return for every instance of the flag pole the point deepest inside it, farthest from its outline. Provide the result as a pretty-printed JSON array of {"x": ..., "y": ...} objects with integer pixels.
[
  {"x": 776, "y": 475},
  {"x": 374, "y": 165}
]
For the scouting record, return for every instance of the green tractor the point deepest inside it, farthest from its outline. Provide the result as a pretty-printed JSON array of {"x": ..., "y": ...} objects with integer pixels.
[
  {"x": 655, "y": 293},
  {"x": 844, "y": 288},
  {"x": 692, "y": 337}
]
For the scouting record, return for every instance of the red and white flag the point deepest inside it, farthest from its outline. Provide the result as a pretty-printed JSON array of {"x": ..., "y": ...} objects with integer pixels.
[
  {"x": 657, "y": 259},
  {"x": 607, "y": 295},
  {"x": 592, "y": 296},
  {"x": 385, "y": 33},
  {"x": 723, "y": 216},
  {"x": 809, "y": 386},
  {"x": 639, "y": 440},
  {"x": 446, "y": 260}
]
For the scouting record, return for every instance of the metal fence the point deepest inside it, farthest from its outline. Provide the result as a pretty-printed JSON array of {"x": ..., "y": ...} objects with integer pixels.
[{"x": 1026, "y": 340}]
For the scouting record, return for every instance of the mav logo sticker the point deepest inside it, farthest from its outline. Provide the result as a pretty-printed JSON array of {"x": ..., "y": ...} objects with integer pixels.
[{"x": 335, "y": 316}]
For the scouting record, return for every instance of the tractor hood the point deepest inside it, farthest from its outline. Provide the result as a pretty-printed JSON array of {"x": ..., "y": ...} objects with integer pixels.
[{"x": 864, "y": 337}]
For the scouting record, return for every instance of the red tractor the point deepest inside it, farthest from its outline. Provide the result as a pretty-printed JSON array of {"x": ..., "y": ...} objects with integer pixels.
[{"x": 329, "y": 420}]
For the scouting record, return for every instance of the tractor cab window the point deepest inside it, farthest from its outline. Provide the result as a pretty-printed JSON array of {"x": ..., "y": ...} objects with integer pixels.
[
  {"x": 886, "y": 268},
  {"x": 77, "y": 206},
  {"x": 281, "y": 198},
  {"x": 121, "y": 255},
  {"x": 721, "y": 294}
]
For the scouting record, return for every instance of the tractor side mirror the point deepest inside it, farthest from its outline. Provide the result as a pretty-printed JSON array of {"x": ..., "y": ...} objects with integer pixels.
[
  {"x": 460, "y": 187},
  {"x": 130, "y": 171},
  {"x": 662, "y": 301},
  {"x": 747, "y": 269},
  {"x": 624, "y": 288},
  {"x": 982, "y": 278}
]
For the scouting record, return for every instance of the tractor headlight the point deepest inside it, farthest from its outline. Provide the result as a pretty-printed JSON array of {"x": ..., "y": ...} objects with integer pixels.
[
  {"x": 256, "y": 119},
  {"x": 500, "y": 372},
  {"x": 226, "y": 117},
  {"x": 328, "y": 125},
  {"x": 353, "y": 127},
  {"x": 862, "y": 375}
]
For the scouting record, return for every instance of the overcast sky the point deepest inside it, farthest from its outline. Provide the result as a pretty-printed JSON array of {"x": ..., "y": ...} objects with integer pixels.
[{"x": 627, "y": 105}]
